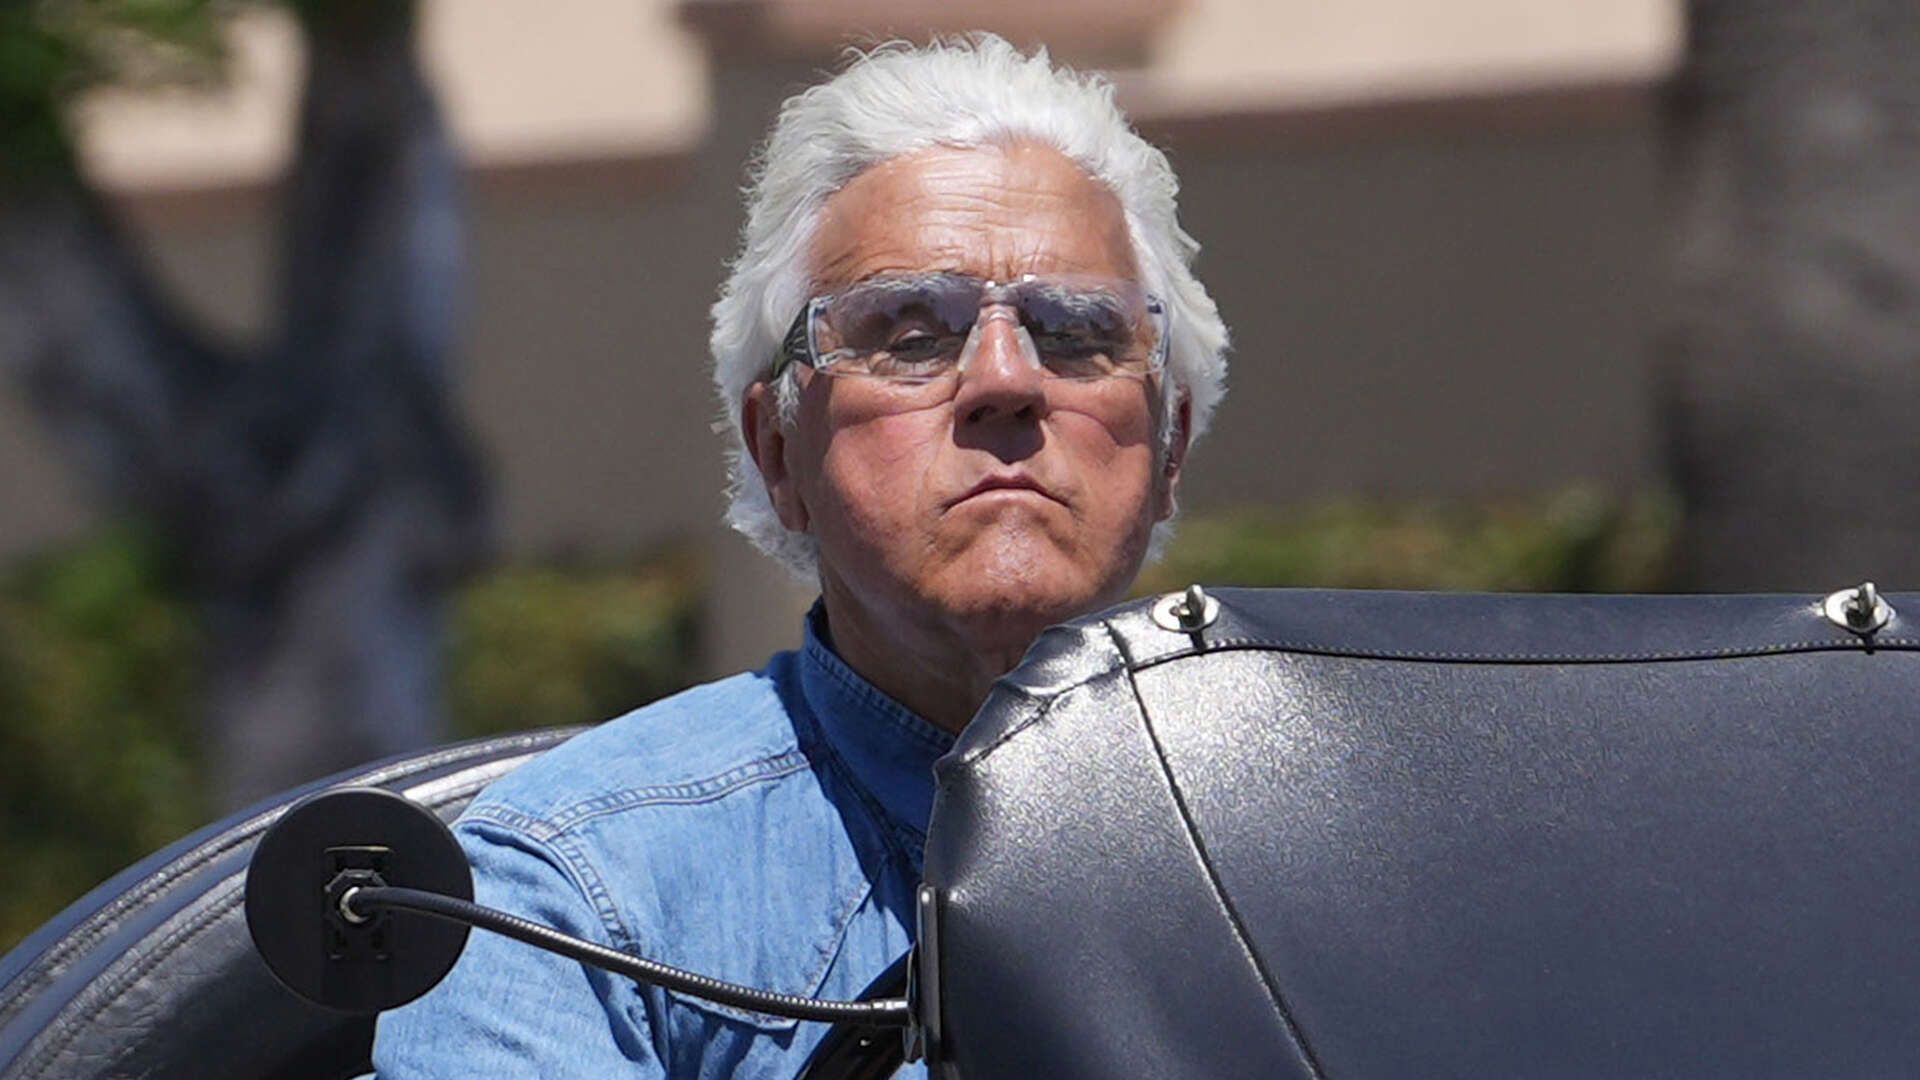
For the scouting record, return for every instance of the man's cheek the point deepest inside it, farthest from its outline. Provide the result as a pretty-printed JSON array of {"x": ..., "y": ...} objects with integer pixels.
[{"x": 866, "y": 455}]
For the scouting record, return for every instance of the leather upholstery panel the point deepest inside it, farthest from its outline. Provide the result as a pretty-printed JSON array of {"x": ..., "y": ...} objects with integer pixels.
[
  {"x": 1391, "y": 834},
  {"x": 1087, "y": 949},
  {"x": 1485, "y": 870}
]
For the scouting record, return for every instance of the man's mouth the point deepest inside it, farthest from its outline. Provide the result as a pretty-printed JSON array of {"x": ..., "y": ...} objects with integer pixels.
[{"x": 1013, "y": 482}]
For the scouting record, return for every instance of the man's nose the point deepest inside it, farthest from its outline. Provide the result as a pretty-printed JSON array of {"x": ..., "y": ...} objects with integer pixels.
[{"x": 1000, "y": 375}]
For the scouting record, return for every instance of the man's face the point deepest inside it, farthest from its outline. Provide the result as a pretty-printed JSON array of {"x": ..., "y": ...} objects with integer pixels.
[{"x": 1017, "y": 501}]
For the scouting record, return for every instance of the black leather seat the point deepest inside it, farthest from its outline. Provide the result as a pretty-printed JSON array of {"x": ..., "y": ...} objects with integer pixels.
[
  {"x": 153, "y": 974},
  {"x": 1386, "y": 835}
]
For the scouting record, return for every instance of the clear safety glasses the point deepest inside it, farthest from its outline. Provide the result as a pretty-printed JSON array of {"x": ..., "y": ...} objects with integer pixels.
[{"x": 916, "y": 329}]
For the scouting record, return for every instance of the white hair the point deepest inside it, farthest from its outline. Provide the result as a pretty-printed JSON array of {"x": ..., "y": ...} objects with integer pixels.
[{"x": 899, "y": 99}]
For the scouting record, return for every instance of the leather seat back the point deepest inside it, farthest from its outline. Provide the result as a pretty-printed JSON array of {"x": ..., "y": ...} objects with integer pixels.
[{"x": 153, "y": 974}]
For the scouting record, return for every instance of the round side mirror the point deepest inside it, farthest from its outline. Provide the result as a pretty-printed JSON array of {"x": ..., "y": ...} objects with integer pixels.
[{"x": 321, "y": 848}]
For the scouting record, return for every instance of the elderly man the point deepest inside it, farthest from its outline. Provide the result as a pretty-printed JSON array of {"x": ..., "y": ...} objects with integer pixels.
[{"x": 965, "y": 357}]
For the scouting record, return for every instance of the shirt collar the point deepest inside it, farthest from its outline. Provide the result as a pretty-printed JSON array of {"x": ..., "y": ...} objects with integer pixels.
[{"x": 887, "y": 747}]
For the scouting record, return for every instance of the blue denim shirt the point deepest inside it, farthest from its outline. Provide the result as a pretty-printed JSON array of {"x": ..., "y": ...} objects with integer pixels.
[{"x": 765, "y": 829}]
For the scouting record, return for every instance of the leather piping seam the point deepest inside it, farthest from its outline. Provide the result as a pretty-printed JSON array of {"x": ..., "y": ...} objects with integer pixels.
[
  {"x": 39, "y": 1059},
  {"x": 1234, "y": 921},
  {"x": 1042, "y": 701},
  {"x": 1042, "y": 706},
  {"x": 1439, "y": 656}
]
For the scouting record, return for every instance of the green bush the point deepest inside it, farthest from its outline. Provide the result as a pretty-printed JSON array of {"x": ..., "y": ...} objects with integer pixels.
[
  {"x": 97, "y": 662},
  {"x": 1574, "y": 541},
  {"x": 535, "y": 645}
]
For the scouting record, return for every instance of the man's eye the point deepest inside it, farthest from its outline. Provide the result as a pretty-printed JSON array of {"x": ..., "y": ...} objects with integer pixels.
[
  {"x": 915, "y": 348},
  {"x": 1077, "y": 342},
  {"x": 1080, "y": 345}
]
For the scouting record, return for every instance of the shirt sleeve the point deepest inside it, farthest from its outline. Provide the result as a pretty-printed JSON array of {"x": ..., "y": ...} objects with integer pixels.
[{"x": 509, "y": 1010}]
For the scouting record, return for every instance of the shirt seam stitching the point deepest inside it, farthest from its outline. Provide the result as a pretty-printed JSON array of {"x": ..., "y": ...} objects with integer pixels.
[
  {"x": 692, "y": 793},
  {"x": 565, "y": 856},
  {"x": 591, "y": 882}
]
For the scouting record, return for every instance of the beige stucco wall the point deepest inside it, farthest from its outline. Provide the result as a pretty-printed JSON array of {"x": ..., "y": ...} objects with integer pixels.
[
  {"x": 1292, "y": 53},
  {"x": 567, "y": 80}
]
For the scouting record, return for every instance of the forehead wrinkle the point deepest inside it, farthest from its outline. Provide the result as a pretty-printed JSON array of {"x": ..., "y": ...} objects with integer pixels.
[{"x": 992, "y": 211}]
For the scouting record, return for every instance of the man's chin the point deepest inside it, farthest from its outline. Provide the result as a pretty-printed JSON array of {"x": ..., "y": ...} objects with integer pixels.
[
  {"x": 1011, "y": 611},
  {"x": 1029, "y": 572}
]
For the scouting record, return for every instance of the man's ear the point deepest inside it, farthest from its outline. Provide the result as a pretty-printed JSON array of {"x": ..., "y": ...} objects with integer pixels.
[
  {"x": 767, "y": 444},
  {"x": 1177, "y": 442}
]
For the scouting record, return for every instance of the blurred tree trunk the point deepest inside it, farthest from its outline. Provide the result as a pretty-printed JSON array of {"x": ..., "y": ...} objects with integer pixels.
[
  {"x": 317, "y": 486},
  {"x": 1792, "y": 359}
]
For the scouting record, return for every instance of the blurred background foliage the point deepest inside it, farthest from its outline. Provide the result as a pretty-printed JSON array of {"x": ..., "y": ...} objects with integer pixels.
[
  {"x": 51, "y": 51},
  {"x": 99, "y": 761},
  {"x": 1576, "y": 540},
  {"x": 98, "y": 648},
  {"x": 568, "y": 643}
]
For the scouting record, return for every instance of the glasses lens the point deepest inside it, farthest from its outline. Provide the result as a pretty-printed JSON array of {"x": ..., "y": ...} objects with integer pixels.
[
  {"x": 1086, "y": 329},
  {"x": 909, "y": 328},
  {"x": 914, "y": 328}
]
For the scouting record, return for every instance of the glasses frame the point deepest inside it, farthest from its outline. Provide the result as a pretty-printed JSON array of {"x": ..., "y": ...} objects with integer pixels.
[{"x": 798, "y": 348}]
